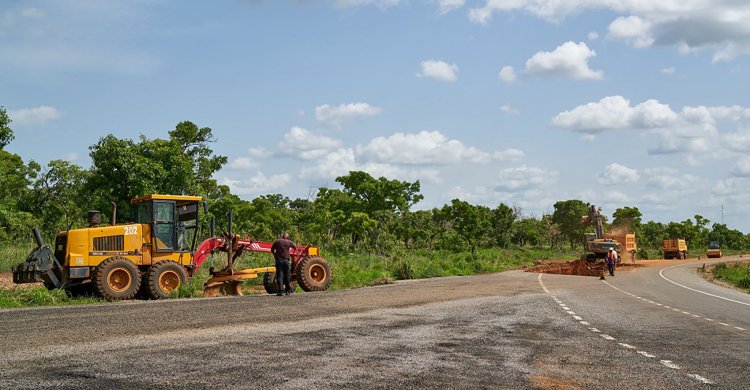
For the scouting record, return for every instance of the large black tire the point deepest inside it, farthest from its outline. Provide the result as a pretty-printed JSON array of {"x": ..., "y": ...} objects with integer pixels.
[
  {"x": 164, "y": 277},
  {"x": 116, "y": 279},
  {"x": 269, "y": 283},
  {"x": 314, "y": 273}
]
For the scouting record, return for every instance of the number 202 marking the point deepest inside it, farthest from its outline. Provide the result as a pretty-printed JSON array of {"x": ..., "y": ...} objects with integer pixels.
[{"x": 131, "y": 230}]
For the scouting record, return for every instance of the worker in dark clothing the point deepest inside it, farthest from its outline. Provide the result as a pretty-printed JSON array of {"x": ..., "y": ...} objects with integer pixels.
[
  {"x": 611, "y": 259},
  {"x": 280, "y": 250}
]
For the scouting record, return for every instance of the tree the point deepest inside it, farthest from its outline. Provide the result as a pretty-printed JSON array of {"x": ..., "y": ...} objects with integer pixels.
[
  {"x": 628, "y": 217},
  {"x": 59, "y": 196},
  {"x": 194, "y": 142},
  {"x": 122, "y": 168},
  {"x": 528, "y": 231},
  {"x": 380, "y": 194},
  {"x": 470, "y": 222},
  {"x": 6, "y": 134},
  {"x": 567, "y": 216},
  {"x": 502, "y": 218}
]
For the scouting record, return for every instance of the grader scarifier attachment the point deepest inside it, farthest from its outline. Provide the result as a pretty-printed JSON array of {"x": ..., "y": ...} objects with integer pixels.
[{"x": 310, "y": 271}]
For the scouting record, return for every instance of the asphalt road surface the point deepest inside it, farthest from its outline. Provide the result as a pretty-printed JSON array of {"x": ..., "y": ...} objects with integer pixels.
[{"x": 659, "y": 327}]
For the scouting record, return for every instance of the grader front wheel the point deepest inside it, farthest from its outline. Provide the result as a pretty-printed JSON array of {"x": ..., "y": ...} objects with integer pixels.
[{"x": 164, "y": 277}]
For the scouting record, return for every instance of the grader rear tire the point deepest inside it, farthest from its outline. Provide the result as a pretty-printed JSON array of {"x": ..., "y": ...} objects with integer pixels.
[
  {"x": 164, "y": 277},
  {"x": 117, "y": 278},
  {"x": 270, "y": 283},
  {"x": 314, "y": 274}
]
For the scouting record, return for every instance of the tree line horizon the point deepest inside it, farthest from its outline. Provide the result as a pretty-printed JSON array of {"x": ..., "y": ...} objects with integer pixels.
[{"x": 367, "y": 214}]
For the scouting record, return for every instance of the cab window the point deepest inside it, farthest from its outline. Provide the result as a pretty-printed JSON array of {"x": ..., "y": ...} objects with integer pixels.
[{"x": 164, "y": 225}]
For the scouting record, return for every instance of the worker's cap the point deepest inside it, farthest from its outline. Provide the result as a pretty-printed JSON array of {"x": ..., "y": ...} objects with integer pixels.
[{"x": 611, "y": 249}]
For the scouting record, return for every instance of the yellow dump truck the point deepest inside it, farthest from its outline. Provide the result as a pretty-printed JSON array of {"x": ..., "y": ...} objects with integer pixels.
[
  {"x": 674, "y": 248},
  {"x": 627, "y": 244}
]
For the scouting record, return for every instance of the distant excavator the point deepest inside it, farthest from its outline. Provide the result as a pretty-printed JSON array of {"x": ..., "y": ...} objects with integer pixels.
[{"x": 595, "y": 244}]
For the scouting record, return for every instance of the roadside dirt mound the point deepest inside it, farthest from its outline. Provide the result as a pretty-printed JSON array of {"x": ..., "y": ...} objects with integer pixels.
[{"x": 577, "y": 267}]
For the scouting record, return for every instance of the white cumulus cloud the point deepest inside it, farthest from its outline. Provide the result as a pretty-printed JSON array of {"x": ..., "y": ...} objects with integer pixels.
[
  {"x": 257, "y": 185},
  {"x": 303, "y": 144},
  {"x": 742, "y": 167},
  {"x": 439, "y": 70},
  {"x": 671, "y": 179},
  {"x": 633, "y": 29},
  {"x": 509, "y": 110},
  {"x": 507, "y": 74},
  {"x": 243, "y": 164},
  {"x": 524, "y": 178},
  {"x": 337, "y": 115},
  {"x": 425, "y": 147},
  {"x": 511, "y": 154},
  {"x": 718, "y": 25},
  {"x": 34, "y": 116},
  {"x": 341, "y": 161},
  {"x": 617, "y": 174},
  {"x": 569, "y": 60},
  {"x": 450, "y": 5}
]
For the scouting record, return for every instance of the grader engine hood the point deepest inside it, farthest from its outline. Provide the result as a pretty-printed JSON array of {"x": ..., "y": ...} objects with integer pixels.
[{"x": 40, "y": 266}]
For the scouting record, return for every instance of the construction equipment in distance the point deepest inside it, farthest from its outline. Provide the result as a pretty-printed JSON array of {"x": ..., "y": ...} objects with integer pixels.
[
  {"x": 153, "y": 255},
  {"x": 627, "y": 244},
  {"x": 595, "y": 244},
  {"x": 714, "y": 250},
  {"x": 674, "y": 248}
]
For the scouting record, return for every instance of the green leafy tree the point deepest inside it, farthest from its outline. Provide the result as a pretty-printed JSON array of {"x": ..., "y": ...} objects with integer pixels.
[
  {"x": 58, "y": 196},
  {"x": 122, "y": 168},
  {"x": 470, "y": 222},
  {"x": 651, "y": 234},
  {"x": 502, "y": 218},
  {"x": 6, "y": 134},
  {"x": 529, "y": 231},
  {"x": 567, "y": 216},
  {"x": 627, "y": 217}
]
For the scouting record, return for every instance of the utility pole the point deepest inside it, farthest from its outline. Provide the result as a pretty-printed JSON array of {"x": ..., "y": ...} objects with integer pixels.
[{"x": 722, "y": 213}]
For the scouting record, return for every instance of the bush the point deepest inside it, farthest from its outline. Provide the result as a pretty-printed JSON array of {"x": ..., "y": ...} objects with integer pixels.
[{"x": 642, "y": 253}]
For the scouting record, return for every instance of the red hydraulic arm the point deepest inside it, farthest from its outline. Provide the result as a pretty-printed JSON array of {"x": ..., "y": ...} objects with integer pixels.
[{"x": 239, "y": 245}]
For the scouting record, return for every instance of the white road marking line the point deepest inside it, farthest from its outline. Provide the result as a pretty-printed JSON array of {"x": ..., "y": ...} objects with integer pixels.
[
  {"x": 708, "y": 319},
  {"x": 738, "y": 328},
  {"x": 667, "y": 307},
  {"x": 721, "y": 323},
  {"x": 700, "y": 379},
  {"x": 675, "y": 309},
  {"x": 666, "y": 363},
  {"x": 684, "y": 312},
  {"x": 669, "y": 364},
  {"x": 661, "y": 273}
]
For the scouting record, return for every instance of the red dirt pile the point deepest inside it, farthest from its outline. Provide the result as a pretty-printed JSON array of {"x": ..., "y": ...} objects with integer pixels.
[{"x": 577, "y": 267}]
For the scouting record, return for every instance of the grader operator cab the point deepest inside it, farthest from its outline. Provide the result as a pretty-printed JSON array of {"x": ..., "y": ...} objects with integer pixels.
[{"x": 154, "y": 254}]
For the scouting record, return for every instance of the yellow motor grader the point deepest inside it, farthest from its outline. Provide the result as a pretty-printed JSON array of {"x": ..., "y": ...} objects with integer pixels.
[{"x": 156, "y": 253}]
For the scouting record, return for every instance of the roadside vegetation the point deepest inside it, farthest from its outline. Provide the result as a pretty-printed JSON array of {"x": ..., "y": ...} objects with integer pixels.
[
  {"x": 737, "y": 274},
  {"x": 370, "y": 229}
]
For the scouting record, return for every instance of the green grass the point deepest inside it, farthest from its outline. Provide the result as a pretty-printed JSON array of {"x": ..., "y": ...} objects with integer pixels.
[
  {"x": 737, "y": 274},
  {"x": 40, "y": 296},
  {"x": 11, "y": 255},
  {"x": 349, "y": 270},
  {"x": 357, "y": 270}
]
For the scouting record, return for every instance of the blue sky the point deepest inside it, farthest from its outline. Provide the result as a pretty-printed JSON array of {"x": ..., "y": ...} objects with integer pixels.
[{"x": 525, "y": 102}]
